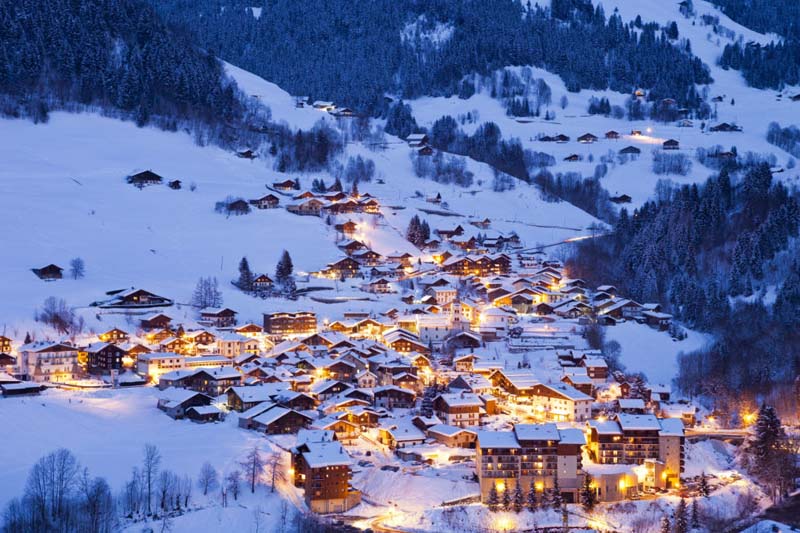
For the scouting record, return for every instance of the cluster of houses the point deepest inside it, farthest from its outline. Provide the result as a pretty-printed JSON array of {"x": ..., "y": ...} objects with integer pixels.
[
  {"x": 333, "y": 203},
  {"x": 413, "y": 376}
]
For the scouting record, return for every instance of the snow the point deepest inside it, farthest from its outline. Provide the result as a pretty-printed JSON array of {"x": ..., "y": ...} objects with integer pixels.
[
  {"x": 107, "y": 430},
  {"x": 651, "y": 351}
]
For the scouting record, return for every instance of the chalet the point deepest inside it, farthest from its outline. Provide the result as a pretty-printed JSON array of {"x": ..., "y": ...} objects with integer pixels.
[
  {"x": 310, "y": 207},
  {"x": 175, "y": 402},
  {"x": 425, "y": 151},
  {"x": 561, "y": 138},
  {"x": 611, "y": 134},
  {"x": 572, "y": 158},
  {"x": 621, "y": 199},
  {"x": 623, "y": 308},
  {"x": 286, "y": 185},
  {"x": 7, "y": 362},
  {"x": 399, "y": 434},
  {"x": 322, "y": 467},
  {"x": 323, "y": 105},
  {"x": 402, "y": 259},
  {"x": 671, "y": 144},
  {"x": 448, "y": 234},
  {"x": 392, "y": 396},
  {"x": 657, "y": 319},
  {"x": 458, "y": 409},
  {"x": 211, "y": 381},
  {"x": 581, "y": 382},
  {"x": 114, "y": 335},
  {"x": 404, "y": 341},
  {"x": 288, "y": 324},
  {"x": 270, "y": 201},
  {"x": 347, "y": 267},
  {"x": 380, "y": 286},
  {"x": 132, "y": 298},
  {"x": 246, "y": 154},
  {"x": 204, "y": 413},
  {"x": 143, "y": 179},
  {"x": 368, "y": 258},
  {"x": 244, "y": 398},
  {"x": 157, "y": 321},
  {"x": 217, "y": 317},
  {"x": 351, "y": 247},
  {"x": 370, "y": 206},
  {"x": 463, "y": 340},
  {"x": 348, "y": 228},
  {"x": 587, "y": 138},
  {"x": 417, "y": 140},
  {"x": 5, "y": 344},
  {"x": 344, "y": 112},
  {"x": 49, "y": 272},
  {"x": 280, "y": 420},
  {"x": 328, "y": 388},
  {"x": 200, "y": 337},
  {"x": 101, "y": 357},
  {"x": 725, "y": 127},
  {"x": 262, "y": 282},
  {"x": 630, "y": 150}
]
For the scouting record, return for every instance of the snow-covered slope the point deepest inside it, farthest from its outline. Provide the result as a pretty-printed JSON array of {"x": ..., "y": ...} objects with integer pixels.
[{"x": 753, "y": 109}]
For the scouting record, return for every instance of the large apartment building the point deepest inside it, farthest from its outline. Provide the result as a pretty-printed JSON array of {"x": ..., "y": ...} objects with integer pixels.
[
  {"x": 322, "y": 467},
  {"x": 290, "y": 324},
  {"x": 637, "y": 439},
  {"x": 530, "y": 454}
]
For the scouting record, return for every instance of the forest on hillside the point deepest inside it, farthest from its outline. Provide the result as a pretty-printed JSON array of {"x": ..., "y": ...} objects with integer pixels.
[
  {"x": 356, "y": 53},
  {"x": 724, "y": 257}
]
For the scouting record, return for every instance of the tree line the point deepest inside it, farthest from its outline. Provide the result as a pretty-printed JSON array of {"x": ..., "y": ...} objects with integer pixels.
[{"x": 354, "y": 54}]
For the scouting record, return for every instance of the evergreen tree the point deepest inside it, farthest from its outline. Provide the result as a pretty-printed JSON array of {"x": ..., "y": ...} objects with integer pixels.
[
  {"x": 245, "y": 281},
  {"x": 506, "y": 499},
  {"x": 704, "y": 489},
  {"x": 681, "y": 524},
  {"x": 588, "y": 494},
  {"x": 695, "y": 514},
  {"x": 555, "y": 499},
  {"x": 284, "y": 273},
  {"x": 666, "y": 527},
  {"x": 532, "y": 501},
  {"x": 493, "y": 501},
  {"x": 518, "y": 499}
]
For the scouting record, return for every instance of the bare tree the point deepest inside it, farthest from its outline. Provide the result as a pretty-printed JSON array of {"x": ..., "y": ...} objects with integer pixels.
[
  {"x": 233, "y": 483},
  {"x": 168, "y": 485},
  {"x": 150, "y": 465},
  {"x": 208, "y": 478},
  {"x": 77, "y": 268},
  {"x": 186, "y": 490},
  {"x": 252, "y": 465},
  {"x": 274, "y": 470},
  {"x": 97, "y": 504},
  {"x": 51, "y": 482}
]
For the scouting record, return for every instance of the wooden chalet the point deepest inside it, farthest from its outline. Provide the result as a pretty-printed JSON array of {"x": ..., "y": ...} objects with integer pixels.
[
  {"x": 269, "y": 201},
  {"x": 671, "y": 144},
  {"x": 157, "y": 321},
  {"x": 143, "y": 179},
  {"x": 49, "y": 273},
  {"x": 262, "y": 282},
  {"x": 286, "y": 185},
  {"x": 630, "y": 150},
  {"x": 218, "y": 317},
  {"x": 587, "y": 138},
  {"x": 612, "y": 135}
]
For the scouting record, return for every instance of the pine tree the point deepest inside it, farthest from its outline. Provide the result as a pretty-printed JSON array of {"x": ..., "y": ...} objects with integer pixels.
[
  {"x": 506, "y": 499},
  {"x": 532, "y": 502},
  {"x": 588, "y": 495},
  {"x": 705, "y": 490},
  {"x": 555, "y": 499},
  {"x": 519, "y": 498},
  {"x": 493, "y": 501},
  {"x": 284, "y": 273},
  {"x": 681, "y": 518},
  {"x": 666, "y": 527},
  {"x": 695, "y": 514},
  {"x": 245, "y": 282}
]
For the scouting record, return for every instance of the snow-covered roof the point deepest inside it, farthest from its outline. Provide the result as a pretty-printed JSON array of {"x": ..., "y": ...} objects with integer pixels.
[
  {"x": 630, "y": 422},
  {"x": 605, "y": 427},
  {"x": 527, "y": 432},
  {"x": 572, "y": 436},
  {"x": 205, "y": 409},
  {"x": 448, "y": 431},
  {"x": 631, "y": 403},
  {"x": 671, "y": 427},
  {"x": 460, "y": 399},
  {"x": 322, "y": 454},
  {"x": 497, "y": 439}
]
